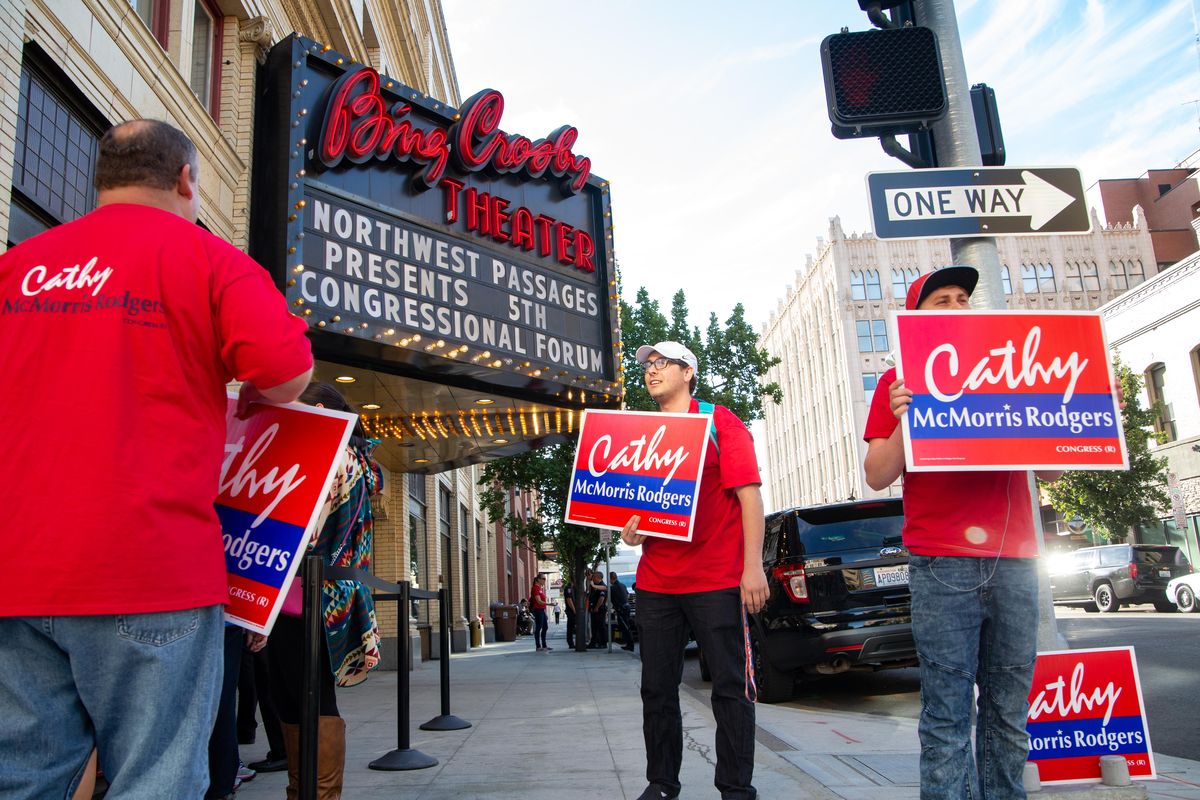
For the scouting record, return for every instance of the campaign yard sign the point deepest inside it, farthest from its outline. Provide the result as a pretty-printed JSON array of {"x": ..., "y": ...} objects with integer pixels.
[
  {"x": 1085, "y": 704},
  {"x": 1008, "y": 390},
  {"x": 279, "y": 464},
  {"x": 637, "y": 462}
]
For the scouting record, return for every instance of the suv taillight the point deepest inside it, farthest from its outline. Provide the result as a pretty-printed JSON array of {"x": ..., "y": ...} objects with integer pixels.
[
  {"x": 1133, "y": 570},
  {"x": 794, "y": 581}
]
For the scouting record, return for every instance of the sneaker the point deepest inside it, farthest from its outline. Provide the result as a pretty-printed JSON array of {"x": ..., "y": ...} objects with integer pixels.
[
  {"x": 628, "y": 647},
  {"x": 244, "y": 773},
  {"x": 547, "y": 649},
  {"x": 656, "y": 792}
]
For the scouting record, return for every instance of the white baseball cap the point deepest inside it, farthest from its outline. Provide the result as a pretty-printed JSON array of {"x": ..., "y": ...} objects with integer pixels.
[{"x": 672, "y": 350}]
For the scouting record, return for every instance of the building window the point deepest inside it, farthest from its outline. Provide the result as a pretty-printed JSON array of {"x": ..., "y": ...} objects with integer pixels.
[
  {"x": 206, "y": 56},
  {"x": 1156, "y": 384},
  {"x": 863, "y": 328},
  {"x": 155, "y": 14},
  {"x": 870, "y": 381},
  {"x": 1127, "y": 274},
  {"x": 416, "y": 535},
  {"x": 902, "y": 279},
  {"x": 1082, "y": 276},
  {"x": 873, "y": 290},
  {"x": 1006, "y": 279},
  {"x": 879, "y": 329},
  {"x": 858, "y": 286},
  {"x": 57, "y": 143},
  {"x": 1037, "y": 278}
]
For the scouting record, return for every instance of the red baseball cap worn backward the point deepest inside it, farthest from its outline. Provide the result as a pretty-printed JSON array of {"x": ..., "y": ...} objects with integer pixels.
[{"x": 922, "y": 287}]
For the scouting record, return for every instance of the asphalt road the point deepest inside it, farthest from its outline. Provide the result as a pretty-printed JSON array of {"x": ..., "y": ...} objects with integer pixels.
[{"x": 1168, "y": 655}]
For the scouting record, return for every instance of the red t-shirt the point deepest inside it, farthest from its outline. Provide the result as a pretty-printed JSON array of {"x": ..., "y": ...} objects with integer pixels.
[
  {"x": 537, "y": 597},
  {"x": 714, "y": 558},
  {"x": 978, "y": 514},
  {"x": 120, "y": 332}
]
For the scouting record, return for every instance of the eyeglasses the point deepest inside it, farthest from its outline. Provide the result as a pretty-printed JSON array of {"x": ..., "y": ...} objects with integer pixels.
[{"x": 660, "y": 363}]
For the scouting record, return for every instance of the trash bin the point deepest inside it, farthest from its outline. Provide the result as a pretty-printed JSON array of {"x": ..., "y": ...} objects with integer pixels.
[
  {"x": 476, "y": 632},
  {"x": 506, "y": 623}
]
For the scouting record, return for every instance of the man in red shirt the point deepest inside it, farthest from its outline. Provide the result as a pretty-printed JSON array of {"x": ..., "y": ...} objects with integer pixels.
[
  {"x": 973, "y": 577},
  {"x": 123, "y": 328},
  {"x": 703, "y": 585}
]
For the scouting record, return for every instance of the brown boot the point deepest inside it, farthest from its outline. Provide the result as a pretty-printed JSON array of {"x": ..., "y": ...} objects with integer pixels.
[
  {"x": 331, "y": 758},
  {"x": 291, "y": 744}
]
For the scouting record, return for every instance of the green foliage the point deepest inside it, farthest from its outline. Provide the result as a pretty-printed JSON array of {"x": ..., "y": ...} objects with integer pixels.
[
  {"x": 1114, "y": 502},
  {"x": 731, "y": 364}
]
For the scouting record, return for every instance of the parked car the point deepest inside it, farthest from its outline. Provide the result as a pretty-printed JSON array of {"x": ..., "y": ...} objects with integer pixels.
[
  {"x": 1182, "y": 591},
  {"x": 1105, "y": 578},
  {"x": 838, "y": 579}
]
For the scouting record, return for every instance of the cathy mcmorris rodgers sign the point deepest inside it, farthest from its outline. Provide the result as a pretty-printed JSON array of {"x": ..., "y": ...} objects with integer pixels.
[
  {"x": 637, "y": 462},
  {"x": 1008, "y": 390},
  {"x": 278, "y": 467},
  {"x": 1085, "y": 704}
]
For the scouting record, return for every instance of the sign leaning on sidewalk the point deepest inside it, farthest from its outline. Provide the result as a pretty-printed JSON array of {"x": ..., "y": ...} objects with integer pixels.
[
  {"x": 1009, "y": 390},
  {"x": 638, "y": 462},
  {"x": 977, "y": 201},
  {"x": 1085, "y": 704},
  {"x": 279, "y": 464}
]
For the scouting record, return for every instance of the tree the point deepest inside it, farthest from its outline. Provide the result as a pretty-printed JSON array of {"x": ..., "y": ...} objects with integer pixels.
[
  {"x": 1114, "y": 502},
  {"x": 731, "y": 364}
]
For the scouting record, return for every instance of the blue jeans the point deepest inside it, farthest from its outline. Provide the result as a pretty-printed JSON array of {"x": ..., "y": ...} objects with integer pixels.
[
  {"x": 142, "y": 688},
  {"x": 975, "y": 622},
  {"x": 715, "y": 617},
  {"x": 541, "y": 624}
]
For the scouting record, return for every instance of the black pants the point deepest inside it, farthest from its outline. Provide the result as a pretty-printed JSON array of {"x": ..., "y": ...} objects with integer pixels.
[
  {"x": 223, "y": 743},
  {"x": 715, "y": 617},
  {"x": 599, "y": 629},
  {"x": 571, "y": 630},
  {"x": 285, "y": 658}
]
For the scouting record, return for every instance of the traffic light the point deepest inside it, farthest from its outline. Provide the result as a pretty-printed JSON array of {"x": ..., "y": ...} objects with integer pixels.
[{"x": 883, "y": 82}]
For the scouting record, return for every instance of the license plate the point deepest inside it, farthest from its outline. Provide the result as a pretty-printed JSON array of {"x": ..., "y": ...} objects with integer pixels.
[
  {"x": 892, "y": 576},
  {"x": 1164, "y": 573}
]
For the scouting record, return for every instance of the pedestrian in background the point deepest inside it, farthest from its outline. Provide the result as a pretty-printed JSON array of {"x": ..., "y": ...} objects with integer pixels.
[
  {"x": 598, "y": 606},
  {"x": 557, "y": 612},
  {"x": 708, "y": 584},
  {"x": 537, "y": 604},
  {"x": 124, "y": 328},
  {"x": 972, "y": 547},
  {"x": 569, "y": 603}
]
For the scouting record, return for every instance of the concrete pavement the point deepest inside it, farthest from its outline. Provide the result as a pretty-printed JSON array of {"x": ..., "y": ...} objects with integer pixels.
[{"x": 568, "y": 725}]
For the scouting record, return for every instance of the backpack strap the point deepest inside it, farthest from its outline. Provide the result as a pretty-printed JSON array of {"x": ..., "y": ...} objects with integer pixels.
[{"x": 708, "y": 408}]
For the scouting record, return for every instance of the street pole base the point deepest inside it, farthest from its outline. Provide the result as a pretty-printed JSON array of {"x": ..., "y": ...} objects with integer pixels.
[
  {"x": 401, "y": 760},
  {"x": 445, "y": 722}
]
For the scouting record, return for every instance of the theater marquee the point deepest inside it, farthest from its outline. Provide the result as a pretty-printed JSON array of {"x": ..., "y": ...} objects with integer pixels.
[{"x": 429, "y": 242}]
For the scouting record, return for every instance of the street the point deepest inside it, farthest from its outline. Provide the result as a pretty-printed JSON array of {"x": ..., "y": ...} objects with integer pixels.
[{"x": 1168, "y": 654}]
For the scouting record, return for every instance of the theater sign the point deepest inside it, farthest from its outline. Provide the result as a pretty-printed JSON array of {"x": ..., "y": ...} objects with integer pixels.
[{"x": 457, "y": 275}]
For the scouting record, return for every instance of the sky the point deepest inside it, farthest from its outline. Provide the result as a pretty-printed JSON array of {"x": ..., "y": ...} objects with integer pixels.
[{"x": 708, "y": 118}]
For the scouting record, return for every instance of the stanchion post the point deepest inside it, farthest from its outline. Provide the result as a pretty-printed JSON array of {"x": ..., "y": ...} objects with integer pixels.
[
  {"x": 445, "y": 721},
  {"x": 403, "y": 757},
  {"x": 310, "y": 681}
]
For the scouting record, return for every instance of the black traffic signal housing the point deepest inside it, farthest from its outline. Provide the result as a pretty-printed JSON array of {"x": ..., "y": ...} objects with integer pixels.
[
  {"x": 883, "y": 82},
  {"x": 987, "y": 125}
]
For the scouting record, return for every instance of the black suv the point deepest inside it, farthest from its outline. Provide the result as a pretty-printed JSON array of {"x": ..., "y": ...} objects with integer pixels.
[
  {"x": 1103, "y": 578},
  {"x": 838, "y": 576}
]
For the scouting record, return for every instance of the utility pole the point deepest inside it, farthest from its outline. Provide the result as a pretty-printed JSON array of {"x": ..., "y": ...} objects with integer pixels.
[{"x": 958, "y": 146}]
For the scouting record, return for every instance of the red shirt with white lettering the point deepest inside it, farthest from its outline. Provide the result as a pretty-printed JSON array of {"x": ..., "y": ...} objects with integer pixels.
[
  {"x": 980, "y": 514},
  {"x": 120, "y": 332},
  {"x": 713, "y": 559}
]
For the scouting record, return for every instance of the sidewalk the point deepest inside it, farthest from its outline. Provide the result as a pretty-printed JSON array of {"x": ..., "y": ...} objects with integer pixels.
[{"x": 568, "y": 725}]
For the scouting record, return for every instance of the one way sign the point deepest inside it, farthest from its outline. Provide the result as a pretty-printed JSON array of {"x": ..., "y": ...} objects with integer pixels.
[{"x": 980, "y": 201}]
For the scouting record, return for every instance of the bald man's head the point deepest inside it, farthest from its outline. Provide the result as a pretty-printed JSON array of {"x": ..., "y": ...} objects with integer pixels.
[{"x": 144, "y": 153}]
